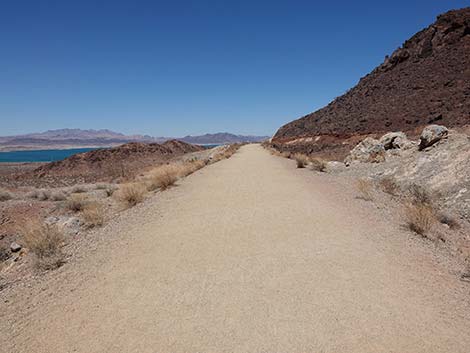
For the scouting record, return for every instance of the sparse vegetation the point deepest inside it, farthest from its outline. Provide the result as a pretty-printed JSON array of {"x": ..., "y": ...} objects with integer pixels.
[
  {"x": 163, "y": 177},
  {"x": 420, "y": 195},
  {"x": 108, "y": 188},
  {"x": 131, "y": 194},
  {"x": 45, "y": 242},
  {"x": 365, "y": 188},
  {"x": 5, "y": 195},
  {"x": 389, "y": 185},
  {"x": 76, "y": 203},
  {"x": 190, "y": 167},
  {"x": 58, "y": 196},
  {"x": 78, "y": 189},
  {"x": 420, "y": 218},
  {"x": 301, "y": 160},
  {"x": 93, "y": 214},
  {"x": 318, "y": 164}
]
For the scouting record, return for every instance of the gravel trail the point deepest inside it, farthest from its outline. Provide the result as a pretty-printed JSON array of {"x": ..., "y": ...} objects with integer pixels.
[{"x": 248, "y": 255}]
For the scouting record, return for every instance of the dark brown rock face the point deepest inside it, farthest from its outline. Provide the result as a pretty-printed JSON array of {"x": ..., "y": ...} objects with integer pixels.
[{"x": 425, "y": 81}]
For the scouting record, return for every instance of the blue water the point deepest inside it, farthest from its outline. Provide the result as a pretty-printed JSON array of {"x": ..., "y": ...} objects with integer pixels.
[{"x": 40, "y": 155}]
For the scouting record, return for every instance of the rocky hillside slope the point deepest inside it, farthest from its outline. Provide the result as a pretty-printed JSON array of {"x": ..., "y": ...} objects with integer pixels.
[
  {"x": 426, "y": 80},
  {"x": 108, "y": 164}
]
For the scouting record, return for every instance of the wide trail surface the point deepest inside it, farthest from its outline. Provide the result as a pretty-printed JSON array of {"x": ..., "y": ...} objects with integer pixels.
[{"x": 250, "y": 255}]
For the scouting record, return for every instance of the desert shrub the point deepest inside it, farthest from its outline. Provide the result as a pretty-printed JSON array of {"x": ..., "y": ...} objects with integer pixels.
[
  {"x": 45, "y": 242},
  {"x": 41, "y": 195},
  {"x": 163, "y": 177},
  {"x": 420, "y": 218},
  {"x": 190, "y": 167},
  {"x": 389, "y": 185},
  {"x": 131, "y": 194},
  {"x": 301, "y": 160},
  {"x": 365, "y": 188},
  {"x": 318, "y": 164},
  {"x": 58, "y": 196},
  {"x": 78, "y": 189},
  {"x": 5, "y": 195},
  {"x": 420, "y": 195},
  {"x": 108, "y": 188},
  {"x": 446, "y": 218},
  {"x": 76, "y": 203},
  {"x": 93, "y": 214}
]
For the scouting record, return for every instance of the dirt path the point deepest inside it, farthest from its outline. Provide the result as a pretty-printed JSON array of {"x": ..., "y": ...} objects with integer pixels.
[{"x": 247, "y": 255}]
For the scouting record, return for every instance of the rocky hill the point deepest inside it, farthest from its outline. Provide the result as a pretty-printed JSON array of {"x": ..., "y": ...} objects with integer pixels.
[
  {"x": 108, "y": 164},
  {"x": 426, "y": 80}
]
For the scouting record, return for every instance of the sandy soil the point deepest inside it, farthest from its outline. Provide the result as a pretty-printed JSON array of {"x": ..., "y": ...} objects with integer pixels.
[{"x": 246, "y": 255}]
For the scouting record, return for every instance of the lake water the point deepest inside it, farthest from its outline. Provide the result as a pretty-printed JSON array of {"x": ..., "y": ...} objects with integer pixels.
[{"x": 40, "y": 155}]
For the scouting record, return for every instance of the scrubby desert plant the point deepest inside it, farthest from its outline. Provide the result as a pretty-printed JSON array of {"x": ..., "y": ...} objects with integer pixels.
[
  {"x": 78, "y": 189},
  {"x": 45, "y": 242},
  {"x": 190, "y": 167},
  {"x": 131, "y": 194},
  {"x": 318, "y": 164},
  {"x": 108, "y": 188},
  {"x": 58, "y": 196},
  {"x": 419, "y": 194},
  {"x": 5, "y": 195},
  {"x": 41, "y": 195},
  {"x": 163, "y": 177},
  {"x": 76, "y": 203},
  {"x": 301, "y": 160},
  {"x": 93, "y": 214},
  {"x": 420, "y": 218},
  {"x": 365, "y": 188},
  {"x": 389, "y": 185}
]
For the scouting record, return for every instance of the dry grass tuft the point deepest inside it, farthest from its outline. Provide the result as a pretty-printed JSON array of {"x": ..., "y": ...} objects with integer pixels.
[
  {"x": 94, "y": 214},
  {"x": 301, "y": 160},
  {"x": 318, "y": 164},
  {"x": 76, "y": 203},
  {"x": 420, "y": 218},
  {"x": 190, "y": 167},
  {"x": 365, "y": 188},
  {"x": 58, "y": 196},
  {"x": 108, "y": 188},
  {"x": 420, "y": 195},
  {"x": 45, "y": 242},
  {"x": 78, "y": 189},
  {"x": 131, "y": 194},
  {"x": 163, "y": 177},
  {"x": 389, "y": 185},
  {"x": 5, "y": 195}
]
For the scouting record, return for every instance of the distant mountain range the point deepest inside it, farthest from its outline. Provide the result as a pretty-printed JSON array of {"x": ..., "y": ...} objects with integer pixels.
[{"x": 69, "y": 138}]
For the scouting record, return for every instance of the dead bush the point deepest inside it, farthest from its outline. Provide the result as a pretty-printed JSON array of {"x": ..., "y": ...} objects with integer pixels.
[
  {"x": 420, "y": 218},
  {"x": 93, "y": 214},
  {"x": 76, "y": 203},
  {"x": 318, "y": 164},
  {"x": 58, "y": 196},
  {"x": 190, "y": 167},
  {"x": 420, "y": 195},
  {"x": 131, "y": 194},
  {"x": 78, "y": 189},
  {"x": 365, "y": 187},
  {"x": 389, "y": 185},
  {"x": 108, "y": 188},
  {"x": 301, "y": 160},
  {"x": 45, "y": 242},
  {"x": 5, "y": 195},
  {"x": 163, "y": 177}
]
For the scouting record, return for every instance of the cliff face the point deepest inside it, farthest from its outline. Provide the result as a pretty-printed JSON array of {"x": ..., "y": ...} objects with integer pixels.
[{"x": 426, "y": 80}]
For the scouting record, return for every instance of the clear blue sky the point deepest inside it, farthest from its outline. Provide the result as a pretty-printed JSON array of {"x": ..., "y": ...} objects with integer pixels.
[{"x": 178, "y": 67}]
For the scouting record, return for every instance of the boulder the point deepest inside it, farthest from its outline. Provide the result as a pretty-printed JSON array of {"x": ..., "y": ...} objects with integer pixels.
[
  {"x": 393, "y": 140},
  {"x": 15, "y": 247},
  {"x": 432, "y": 134},
  {"x": 368, "y": 150}
]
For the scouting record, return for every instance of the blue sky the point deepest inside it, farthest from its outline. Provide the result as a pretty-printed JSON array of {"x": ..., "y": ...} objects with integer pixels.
[{"x": 170, "y": 68}]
